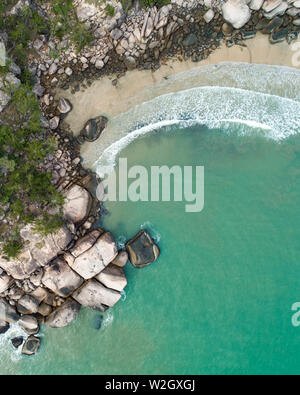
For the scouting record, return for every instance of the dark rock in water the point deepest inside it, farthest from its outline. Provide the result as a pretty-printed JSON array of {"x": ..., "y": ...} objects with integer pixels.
[
  {"x": 142, "y": 250},
  {"x": 189, "y": 40},
  {"x": 248, "y": 34},
  {"x": 99, "y": 320},
  {"x": 17, "y": 341},
  {"x": 31, "y": 345},
  {"x": 273, "y": 25},
  {"x": 4, "y": 327},
  {"x": 277, "y": 37},
  {"x": 93, "y": 128}
]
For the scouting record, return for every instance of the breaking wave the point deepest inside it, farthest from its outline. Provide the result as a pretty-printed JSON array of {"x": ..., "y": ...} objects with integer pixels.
[{"x": 216, "y": 107}]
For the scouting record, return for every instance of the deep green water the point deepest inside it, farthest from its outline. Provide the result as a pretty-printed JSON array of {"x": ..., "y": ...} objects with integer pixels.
[{"x": 219, "y": 298}]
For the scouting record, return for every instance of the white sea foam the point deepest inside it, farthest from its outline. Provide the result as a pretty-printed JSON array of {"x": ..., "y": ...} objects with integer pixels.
[
  {"x": 156, "y": 236},
  {"x": 108, "y": 319},
  {"x": 121, "y": 240},
  {"x": 6, "y": 348},
  {"x": 215, "y": 107},
  {"x": 123, "y": 295}
]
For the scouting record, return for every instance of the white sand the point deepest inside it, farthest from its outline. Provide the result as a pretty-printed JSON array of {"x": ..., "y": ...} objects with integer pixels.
[{"x": 102, "y": 98}]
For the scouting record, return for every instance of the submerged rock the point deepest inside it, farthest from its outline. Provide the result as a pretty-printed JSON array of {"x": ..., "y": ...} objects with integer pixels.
[
  {"x": 31, "y": 345},
  {"x": 142, "y": 250},
  {"x": 64, "y": 314},
  {"x": 93, "y": 128},
  {"x": 99, "y": 320}
]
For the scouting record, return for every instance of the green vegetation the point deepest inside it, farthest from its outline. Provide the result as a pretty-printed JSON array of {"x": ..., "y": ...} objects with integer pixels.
[
  {"x": 152, "y": 3},
  {"x": 26, "y": 191},
  {"x": 110, "y": 10},
  {"x": 65, "y": 22}
]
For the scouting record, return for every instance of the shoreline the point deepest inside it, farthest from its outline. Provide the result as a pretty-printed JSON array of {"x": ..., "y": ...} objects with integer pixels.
[{"x": 138, "y": 86}]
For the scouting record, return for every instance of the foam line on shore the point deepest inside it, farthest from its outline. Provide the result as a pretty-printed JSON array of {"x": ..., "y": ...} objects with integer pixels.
[{"x": 215, "y": 107}]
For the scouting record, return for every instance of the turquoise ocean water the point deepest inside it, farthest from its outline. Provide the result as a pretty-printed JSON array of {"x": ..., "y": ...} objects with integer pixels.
[{"x": 219, "y": 298}]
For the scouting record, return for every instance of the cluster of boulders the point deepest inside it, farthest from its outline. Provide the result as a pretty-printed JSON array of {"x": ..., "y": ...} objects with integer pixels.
[
  {"x": 55, "y": 275},
  {"x": 135, "y": 34}
]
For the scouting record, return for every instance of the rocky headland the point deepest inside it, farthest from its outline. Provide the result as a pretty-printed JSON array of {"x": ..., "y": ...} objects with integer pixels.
[{"x": 78, "y": 264}]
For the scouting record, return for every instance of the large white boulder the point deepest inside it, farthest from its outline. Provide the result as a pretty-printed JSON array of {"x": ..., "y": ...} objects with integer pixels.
[
  {"x": 113, "y": 277},
  {"x": 236, "y": 12},
  {"x": 64, "y": 314},
  {"x": 95, "y": 296},
  {"x": 77, "y": 205},
  {"x": 61, "y": 279},
  {"x": 94, "y": 260}
]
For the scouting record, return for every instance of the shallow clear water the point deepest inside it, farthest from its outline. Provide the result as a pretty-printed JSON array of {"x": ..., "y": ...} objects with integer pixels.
[{"x": 219, "y": 298}]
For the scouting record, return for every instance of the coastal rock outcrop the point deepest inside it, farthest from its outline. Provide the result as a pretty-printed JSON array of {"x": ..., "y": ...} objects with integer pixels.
[
  {"x": 113, "y": 277},
  {"x": 5, "y": 281},
  {"x": 8, "y": 313},
  {"x": 77, "y": 205},
  {"x": 121, "y": 259},
  {"x": 96, "y": 296},
  {"x": 64, "y": 315},
  {"x": 94, "y": 260},
  {"x": 37, "y": 252},
  {"x": 61, "y": 279},
  {"x": 142, "y": 250},
  {"x": 28, "y": 304},
  {"x": 30, "y": 324}
]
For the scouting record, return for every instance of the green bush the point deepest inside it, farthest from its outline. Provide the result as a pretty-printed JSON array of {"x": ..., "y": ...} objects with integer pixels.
[
  {"x": 22, "y": 182},
  {"x": 110, "y": 10}
]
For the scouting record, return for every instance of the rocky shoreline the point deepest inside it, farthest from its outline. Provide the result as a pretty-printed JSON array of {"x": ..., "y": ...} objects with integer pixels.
[{"x": 80, "y": 264}]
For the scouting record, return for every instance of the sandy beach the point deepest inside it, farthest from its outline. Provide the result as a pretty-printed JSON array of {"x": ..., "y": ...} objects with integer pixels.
[{"x": 102, "y": 98}]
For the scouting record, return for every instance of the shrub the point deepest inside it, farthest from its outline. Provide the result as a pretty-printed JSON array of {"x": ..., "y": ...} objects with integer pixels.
[{"x": 110, "y": 10}]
